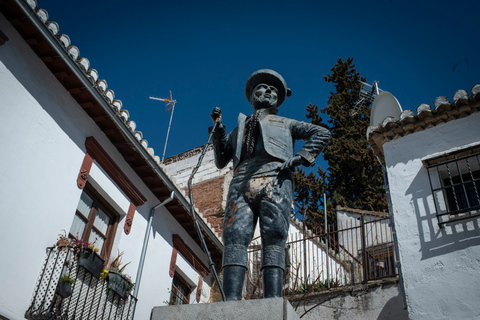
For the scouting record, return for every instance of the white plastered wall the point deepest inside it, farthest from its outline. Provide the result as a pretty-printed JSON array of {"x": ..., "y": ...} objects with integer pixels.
[
  {"x": 440, "y": 265},
  {"x": 43, "y": 133}
]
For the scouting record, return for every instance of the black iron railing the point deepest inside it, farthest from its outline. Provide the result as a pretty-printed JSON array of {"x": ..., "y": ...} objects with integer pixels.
[
  {"x": 178, "y": 296},
  {"x": 90, "y": 299},
  {"x": 357, "y": 252}
]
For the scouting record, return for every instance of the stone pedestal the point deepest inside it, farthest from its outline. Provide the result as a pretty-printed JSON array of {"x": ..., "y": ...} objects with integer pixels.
[{"x": 260, "y": 309}]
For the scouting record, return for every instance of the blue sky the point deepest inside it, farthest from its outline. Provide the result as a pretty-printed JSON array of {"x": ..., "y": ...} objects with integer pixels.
[{"x": 204, "y": 51}]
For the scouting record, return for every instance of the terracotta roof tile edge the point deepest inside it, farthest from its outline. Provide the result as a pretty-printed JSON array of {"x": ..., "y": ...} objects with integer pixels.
[
  {"x": 102, "y": 86},
  {"x": 425, "y": 118},
  {"x": 84, "y": 64}
]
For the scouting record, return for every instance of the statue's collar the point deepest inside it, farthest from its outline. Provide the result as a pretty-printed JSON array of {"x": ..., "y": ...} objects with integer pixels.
[
  {"x": 262, "y": 114},
  {"x": 265, "y": 112}
]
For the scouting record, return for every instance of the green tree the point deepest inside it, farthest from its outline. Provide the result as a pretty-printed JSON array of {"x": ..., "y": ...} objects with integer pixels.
[{"x": 354, "y": 177}]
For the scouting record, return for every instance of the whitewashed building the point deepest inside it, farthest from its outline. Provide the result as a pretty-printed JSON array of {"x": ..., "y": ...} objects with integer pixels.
[
  {"x": 432, "y": 159},
  {"x": 73, "y": 160}
]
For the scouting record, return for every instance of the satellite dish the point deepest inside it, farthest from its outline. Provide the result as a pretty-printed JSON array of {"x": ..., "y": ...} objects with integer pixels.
[
  {"x": 385, "y": 105},
  {"x": 369, "y": 129}
]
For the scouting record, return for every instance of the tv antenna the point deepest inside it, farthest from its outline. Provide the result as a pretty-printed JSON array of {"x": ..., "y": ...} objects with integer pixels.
[
  {"x": 169, "y": 105},
  {"x": 366, "y": 96}
]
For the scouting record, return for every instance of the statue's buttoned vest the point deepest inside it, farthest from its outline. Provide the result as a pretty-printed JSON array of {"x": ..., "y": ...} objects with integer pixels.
[{"x": 276, "y": 136}]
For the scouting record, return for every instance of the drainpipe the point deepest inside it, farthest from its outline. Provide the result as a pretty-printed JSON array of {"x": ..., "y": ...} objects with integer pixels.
[
  {"x": 145, "y": 243},
  {"x": 326, "y": 238},
  {"x": 144, "y": 248}
]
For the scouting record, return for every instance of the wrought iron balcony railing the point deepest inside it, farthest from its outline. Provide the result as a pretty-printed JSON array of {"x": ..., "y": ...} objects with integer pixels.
[
  {"x": 357, "y": 252},
  {"x": 90, "y": 299}
]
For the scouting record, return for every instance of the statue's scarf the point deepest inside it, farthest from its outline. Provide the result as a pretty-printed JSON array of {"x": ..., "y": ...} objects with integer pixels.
[{"x": 252, "y": 127}]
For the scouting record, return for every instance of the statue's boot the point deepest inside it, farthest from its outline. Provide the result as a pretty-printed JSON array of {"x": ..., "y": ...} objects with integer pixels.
[
  {"x": 272, "y": 282},
  {"x": 233, "y": 278}
]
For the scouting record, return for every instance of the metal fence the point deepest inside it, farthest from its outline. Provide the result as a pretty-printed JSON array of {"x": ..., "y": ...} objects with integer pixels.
[
  {"x": 91, "y": 298},
  {"x": 357, "y": 251}
]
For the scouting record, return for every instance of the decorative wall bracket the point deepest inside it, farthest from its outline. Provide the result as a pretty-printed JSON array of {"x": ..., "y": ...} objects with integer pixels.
[{"x": 97, "y": 153}]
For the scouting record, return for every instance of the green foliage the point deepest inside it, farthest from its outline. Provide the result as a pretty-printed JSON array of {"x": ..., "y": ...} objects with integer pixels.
[
  {"x": 166, "y": 302},
  {"x": 116, "y": 264},
  {"x": 221, "y": 211},
  {"x": 318, "y": 285},
  {"x": 354, "y": 177},
  {"x": 66, "y": 279},
  {"x": 309, "y": 190}
]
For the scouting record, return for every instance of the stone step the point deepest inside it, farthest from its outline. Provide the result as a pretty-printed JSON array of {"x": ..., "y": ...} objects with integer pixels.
[{"x": 259, "y": 309}]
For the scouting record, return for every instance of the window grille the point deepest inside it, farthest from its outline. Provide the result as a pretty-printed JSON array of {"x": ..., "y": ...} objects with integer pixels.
[
  {"x": 180, "y": 293},
  {"x": 455, "y": 183}
]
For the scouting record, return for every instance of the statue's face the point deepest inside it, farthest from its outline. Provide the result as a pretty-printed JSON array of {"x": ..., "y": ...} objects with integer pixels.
[{"x": 264, "y": 96}]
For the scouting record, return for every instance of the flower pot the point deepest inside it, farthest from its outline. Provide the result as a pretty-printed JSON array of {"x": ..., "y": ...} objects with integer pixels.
[
  {"x": 118, "y": 284},
  {"x": 91, "y": 261},
  {"x": 65, "y": 289}
]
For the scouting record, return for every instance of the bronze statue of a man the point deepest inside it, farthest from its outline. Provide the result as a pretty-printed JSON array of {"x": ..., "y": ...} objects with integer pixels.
[{"x": 262, "y": 150}]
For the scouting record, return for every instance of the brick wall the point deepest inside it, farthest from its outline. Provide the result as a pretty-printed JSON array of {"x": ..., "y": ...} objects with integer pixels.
[
  {"x": 210, "y": 184},
  {"x": 208, "y": 199}
]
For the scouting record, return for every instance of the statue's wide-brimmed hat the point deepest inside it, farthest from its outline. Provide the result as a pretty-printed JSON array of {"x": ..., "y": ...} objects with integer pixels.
[{"x": 270, "y": 77}]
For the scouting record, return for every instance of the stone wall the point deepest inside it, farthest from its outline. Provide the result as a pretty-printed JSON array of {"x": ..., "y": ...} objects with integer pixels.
[{"x": 380, "y": 300}]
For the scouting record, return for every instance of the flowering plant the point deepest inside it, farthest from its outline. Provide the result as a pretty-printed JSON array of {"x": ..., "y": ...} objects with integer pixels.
[
  {"x": 104, "y": 273},
  {"x": 64, "y": 241},
  {"x": 82, "y": 244}
]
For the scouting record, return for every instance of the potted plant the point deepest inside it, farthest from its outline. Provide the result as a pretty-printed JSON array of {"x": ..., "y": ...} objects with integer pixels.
[
  {"x": 65, "y": 286},
  {"x": 88, "y": 257},
  {"x": 63, "y": 241},
  {"x": 118, "y": 282}
]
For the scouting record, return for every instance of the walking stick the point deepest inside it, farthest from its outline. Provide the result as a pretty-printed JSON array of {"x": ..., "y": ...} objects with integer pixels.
[{"x": 194, "y": 215}]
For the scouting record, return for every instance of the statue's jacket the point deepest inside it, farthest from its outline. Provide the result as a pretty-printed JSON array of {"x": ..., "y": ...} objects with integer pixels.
[{"x": 278, "y": 135}]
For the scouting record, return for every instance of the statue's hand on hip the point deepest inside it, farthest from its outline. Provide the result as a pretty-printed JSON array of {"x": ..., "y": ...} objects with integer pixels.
[{"x": 292, "y": 163}]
